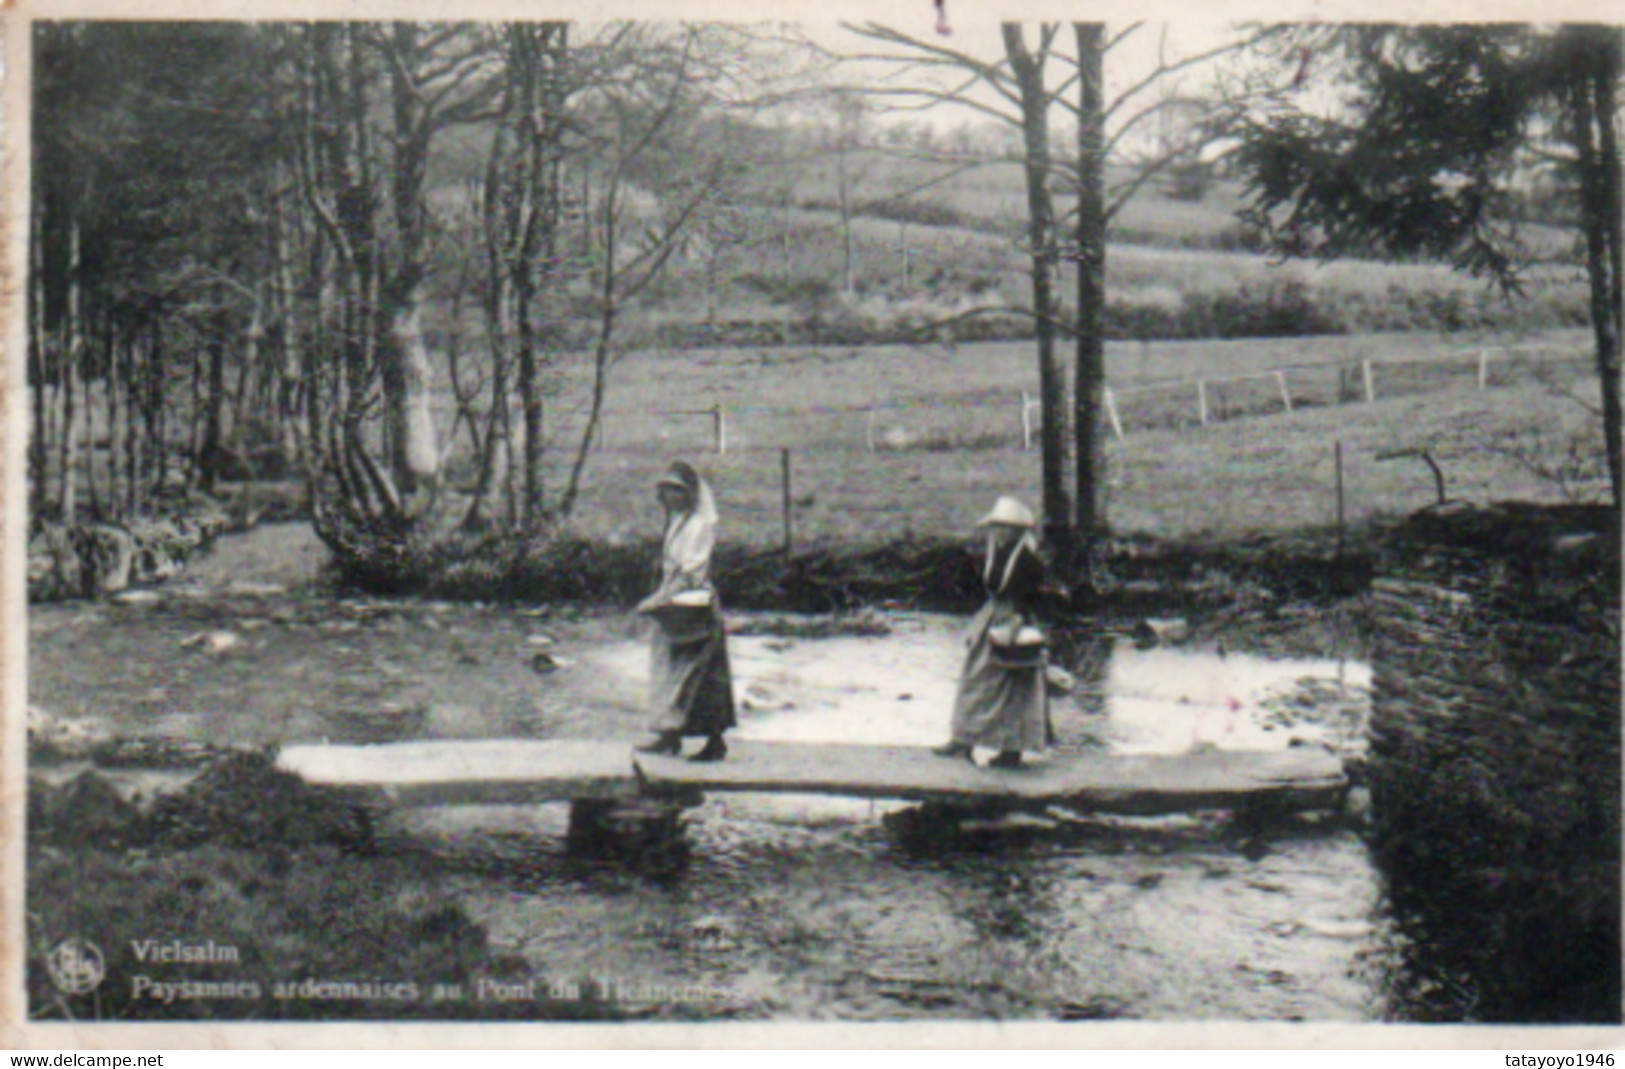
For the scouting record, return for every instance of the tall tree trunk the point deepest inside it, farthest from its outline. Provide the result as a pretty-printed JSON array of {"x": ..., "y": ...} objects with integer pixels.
[
  {"x": 1598, "y": 151},
  {"x": 407, "y": 373},
  {"x": 1607, "y": 81},
  {"x": 408, "y": 388},
  {"x": 68, "y": 462},
  {"x": 532, "y": 417},
  {"x": 153, "y": 450},
  {"x": 194, "y": 418},
  {"x": 110, "y": 400},
  {"x": 1041, "y": 234},
  {"x": 72, "y": 348},
  {"x": 39, "y": 439},
  {"x": 211, "y": 454},
  {"x": 133, "y": 402},
  {"x": 537, "y": 53},
  {"x": 496, "y": 211},
  {"x": 247, "y": 375},
  {"x": 1090, "y": 368}
]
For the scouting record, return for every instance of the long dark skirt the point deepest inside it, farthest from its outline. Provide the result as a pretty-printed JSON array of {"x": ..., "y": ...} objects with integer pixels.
[
  {"x": 1003, "y": 708},
  {"x": 690, "y": 684}
]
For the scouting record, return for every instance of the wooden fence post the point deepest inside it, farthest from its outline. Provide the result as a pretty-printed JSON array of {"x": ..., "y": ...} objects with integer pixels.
[
  {"x": 720, "y": 429},
  {"x": 1286, "y": 395},
  {"x": 1201, "y": 400},
  {"x": 1483, "y": 369},
  {"x": 869, "y": 429},
  {"x": 789, "y": 526},
  {"x": 1341, "y": 514},
  {"x": 1111, "y": 412},
  {"x": 1026, "y": 422},
  {"x": 1370, "y": 382}
]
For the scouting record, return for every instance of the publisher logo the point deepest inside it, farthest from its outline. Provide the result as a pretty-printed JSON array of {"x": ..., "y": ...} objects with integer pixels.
[{"x": 76, "y": 966}]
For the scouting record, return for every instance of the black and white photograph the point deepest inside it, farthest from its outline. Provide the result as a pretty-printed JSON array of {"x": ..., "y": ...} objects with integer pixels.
[{"x": 913, "y": 515}]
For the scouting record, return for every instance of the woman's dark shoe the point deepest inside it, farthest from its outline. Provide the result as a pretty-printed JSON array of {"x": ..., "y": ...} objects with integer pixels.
[
  {"x": 953, "y": 749},
  {"x": 1006, "y": 759},
  {"x": 715, "y": 750},
  {"x": 667, "y": 743}
]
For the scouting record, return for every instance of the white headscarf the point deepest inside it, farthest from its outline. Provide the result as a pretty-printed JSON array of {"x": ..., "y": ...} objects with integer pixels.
[
  {"x": 690, "y": 537},
  {"x": 1028, "y": 542}
]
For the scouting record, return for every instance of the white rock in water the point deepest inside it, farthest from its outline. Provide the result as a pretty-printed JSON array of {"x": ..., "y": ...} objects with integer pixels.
[
  {"x": 213, "y": 641},
  {"x": 1151, "y": 631},
  {"x": 545, "y": 662},
  {"x": 243, "y": 587},
  {"x": 136, "y": 597},
  {"x": 540, "y": 641}
]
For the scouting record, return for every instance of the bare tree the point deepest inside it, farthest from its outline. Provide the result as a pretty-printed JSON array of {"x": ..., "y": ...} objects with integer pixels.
[
  {"x": 1029, "y": 85},
  {"x": 663, "y": 162}
]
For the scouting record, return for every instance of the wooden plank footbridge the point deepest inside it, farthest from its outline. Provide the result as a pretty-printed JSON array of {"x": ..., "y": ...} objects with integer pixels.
[{"x": 611, "y": 787}]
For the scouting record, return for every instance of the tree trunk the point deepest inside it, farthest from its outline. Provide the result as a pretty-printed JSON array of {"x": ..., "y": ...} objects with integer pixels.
[
  {"x": 1041, "y": 234},
  {"x": 407, "y": 373},
  {"x": 532, "y": 417},
  {"x": 155, "y": 458},
  {"x": 110, "y": 399},
  {"x": 1090, "y": 371},
  {"x": 844, "y": 200},
  {"x": 210, "y": 454},
  {"x": 133, "y": 401},
  {"x": 1596, "y": 145},
  {"x": 72, "y": 348},
  {"x": 39, "y": 439},
  {"x": 1607, "y": 81},
  {"x": 409, "y": 387},
  {"x": 68, "y": 462}
]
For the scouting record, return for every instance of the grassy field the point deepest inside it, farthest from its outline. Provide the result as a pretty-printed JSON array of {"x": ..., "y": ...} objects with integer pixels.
[
  {"x": 957, "y": 243},
  {"x": 952, "y": 438}
]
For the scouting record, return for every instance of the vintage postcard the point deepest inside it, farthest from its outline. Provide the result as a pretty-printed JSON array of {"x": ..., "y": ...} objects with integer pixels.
[{"x": 907, "y": 523}]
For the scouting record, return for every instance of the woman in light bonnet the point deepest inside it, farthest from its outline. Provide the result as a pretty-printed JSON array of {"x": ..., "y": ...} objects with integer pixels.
[
  {"x": 690, "y": 686},
  {"x": 1002, "y": 702}
]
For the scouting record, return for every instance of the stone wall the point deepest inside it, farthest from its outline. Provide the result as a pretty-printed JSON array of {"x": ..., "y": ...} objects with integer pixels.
[{"x": 1495, "y": 767}]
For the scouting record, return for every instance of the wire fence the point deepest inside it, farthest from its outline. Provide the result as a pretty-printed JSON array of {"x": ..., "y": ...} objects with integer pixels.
[{"x": 1011, "y": 419}]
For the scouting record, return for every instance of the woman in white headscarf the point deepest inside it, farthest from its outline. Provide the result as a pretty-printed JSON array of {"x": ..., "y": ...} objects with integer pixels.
[
  {"x": 1002, "y": 702},
  {"x": 690, "y": 686}
]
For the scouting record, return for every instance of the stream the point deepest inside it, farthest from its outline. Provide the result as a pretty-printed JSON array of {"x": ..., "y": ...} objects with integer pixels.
[{"x": 796, "y": 907}]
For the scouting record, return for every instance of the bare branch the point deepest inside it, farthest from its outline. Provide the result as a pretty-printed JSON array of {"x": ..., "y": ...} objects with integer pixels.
[
  {"x": 1124, "y": 193},
  {"x": 1163, "y": 69},
  {"x": 992, "y": 74},
  {"x": 1121, "y": 36}
]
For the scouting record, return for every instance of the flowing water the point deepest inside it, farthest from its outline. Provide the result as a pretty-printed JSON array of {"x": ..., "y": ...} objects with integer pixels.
[{"x": 822, "y": 908}]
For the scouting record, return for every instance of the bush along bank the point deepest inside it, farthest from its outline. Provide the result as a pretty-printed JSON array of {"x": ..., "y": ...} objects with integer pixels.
[
  {"x": 1495, "y": 760},
  {"x": 1139, "y": 576}
]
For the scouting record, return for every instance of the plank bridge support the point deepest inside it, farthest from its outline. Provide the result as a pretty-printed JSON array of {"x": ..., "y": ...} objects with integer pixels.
[{"x": 646, "y": 832}]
